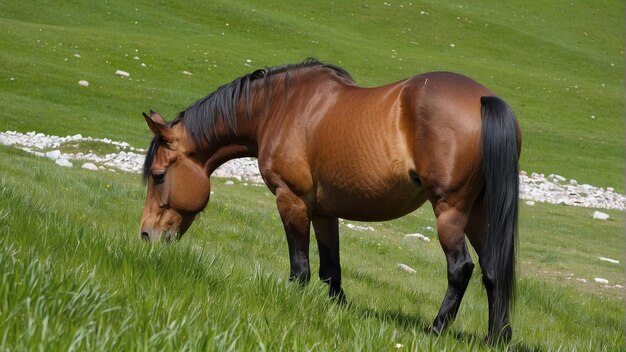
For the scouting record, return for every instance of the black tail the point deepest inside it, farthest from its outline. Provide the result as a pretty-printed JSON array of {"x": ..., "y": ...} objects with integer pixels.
[{"x": 500, "y": 141}]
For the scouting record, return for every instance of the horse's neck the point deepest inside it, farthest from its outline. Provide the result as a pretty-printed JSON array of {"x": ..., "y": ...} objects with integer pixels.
[
  {"x": 230, "y": 144},
  {"x": 266, "y": 102},
  {"x": 226, "y": 152}
]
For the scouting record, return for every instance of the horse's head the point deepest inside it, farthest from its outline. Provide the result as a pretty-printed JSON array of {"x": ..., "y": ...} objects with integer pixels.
[{"x": 178, "y": 185}]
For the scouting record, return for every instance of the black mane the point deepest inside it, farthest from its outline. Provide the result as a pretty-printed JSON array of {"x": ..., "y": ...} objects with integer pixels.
[{"x": 200, "y": 118}]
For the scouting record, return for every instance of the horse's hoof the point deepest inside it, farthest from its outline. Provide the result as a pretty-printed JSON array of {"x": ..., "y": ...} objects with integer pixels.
[
  {"x": 504, "y": 337},
  {"x": 338, "y": 296},
  {"x": 433, "y": 330},
  {"x": 340, "y": 300}
]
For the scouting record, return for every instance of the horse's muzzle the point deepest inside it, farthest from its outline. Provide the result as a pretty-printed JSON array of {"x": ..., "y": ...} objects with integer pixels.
[{"x": 165, "y": 235}]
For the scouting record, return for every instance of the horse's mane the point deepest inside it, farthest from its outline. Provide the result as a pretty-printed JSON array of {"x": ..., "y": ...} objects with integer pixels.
[{"x": 202, "y": 116}]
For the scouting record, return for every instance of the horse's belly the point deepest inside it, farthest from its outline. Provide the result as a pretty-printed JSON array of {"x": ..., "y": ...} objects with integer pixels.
[{"x": 373, "y": 202}]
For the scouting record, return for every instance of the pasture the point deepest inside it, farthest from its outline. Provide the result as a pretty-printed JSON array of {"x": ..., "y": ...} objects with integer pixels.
[{"x": 76, "y": 277}]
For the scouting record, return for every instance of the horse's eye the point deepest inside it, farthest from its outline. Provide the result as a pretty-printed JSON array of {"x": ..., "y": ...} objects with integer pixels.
[{"x": 158, "y": 178}]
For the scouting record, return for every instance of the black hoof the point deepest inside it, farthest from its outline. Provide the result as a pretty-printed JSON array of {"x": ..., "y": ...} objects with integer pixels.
[
  {"x": 338, "y": 296},
  {"x": 433, "y": 330},
  {"x": 503, "y": 338}
]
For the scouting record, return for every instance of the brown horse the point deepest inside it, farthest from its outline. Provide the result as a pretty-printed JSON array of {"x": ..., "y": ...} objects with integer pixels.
[{"x": 330, "y": 149}]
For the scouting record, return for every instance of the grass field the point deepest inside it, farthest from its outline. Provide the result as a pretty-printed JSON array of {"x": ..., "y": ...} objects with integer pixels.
[{"x": 75, "y": 276}]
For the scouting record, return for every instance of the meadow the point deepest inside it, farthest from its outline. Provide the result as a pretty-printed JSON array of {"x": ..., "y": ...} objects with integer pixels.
[{"x": 76, "y": 277}]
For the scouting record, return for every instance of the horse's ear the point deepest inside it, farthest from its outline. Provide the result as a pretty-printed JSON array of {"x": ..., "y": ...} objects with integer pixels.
[{"x": 158, "y": 126}]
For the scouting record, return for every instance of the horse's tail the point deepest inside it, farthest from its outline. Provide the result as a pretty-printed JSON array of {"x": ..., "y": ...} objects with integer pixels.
[{"x": 501, "y": 143}]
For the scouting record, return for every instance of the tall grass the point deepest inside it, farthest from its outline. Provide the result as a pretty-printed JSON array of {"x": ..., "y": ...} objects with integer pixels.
[{"x": 77, "y": 278}]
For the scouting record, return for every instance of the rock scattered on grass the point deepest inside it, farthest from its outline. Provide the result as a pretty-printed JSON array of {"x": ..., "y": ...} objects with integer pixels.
[
  {"x": 417, "y": 236},
  {"x": 600, "y": 215},
  {"x": 612, "y": 261},
  {"x": 601, "y": 280},
  {"x": 555, "y": 190},
  {"x": 359, "y": 227},
  {"x": 83, "y": 83},
  {"x": 90, "y": 166},
  {"x": 229, "y": 182},
  {"x": 63, "y": 162},
  {"x": 122, "y": 73},
  {"x": 53, "y": 154},
  {"x": 406, "y": 268}
]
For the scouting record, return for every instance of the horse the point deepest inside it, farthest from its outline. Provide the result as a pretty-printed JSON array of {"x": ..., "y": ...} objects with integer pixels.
[{"x": 329, "y": 149}]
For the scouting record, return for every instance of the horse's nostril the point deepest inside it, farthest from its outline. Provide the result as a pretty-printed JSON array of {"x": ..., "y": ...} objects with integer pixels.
[{"x": 145, "y": 236}]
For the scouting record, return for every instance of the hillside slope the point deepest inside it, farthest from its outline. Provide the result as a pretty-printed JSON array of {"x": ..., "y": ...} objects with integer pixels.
[{"x": 560, "y": 65}]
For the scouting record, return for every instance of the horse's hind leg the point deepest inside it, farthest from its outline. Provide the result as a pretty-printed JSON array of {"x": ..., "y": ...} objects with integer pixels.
[
  {"x": 450, "y": 228},
  {"x": 327, "y": 235}
]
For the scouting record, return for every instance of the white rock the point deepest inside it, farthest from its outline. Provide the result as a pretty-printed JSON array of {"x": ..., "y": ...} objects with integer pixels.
[
  {"x": 360, "y": 228},
  {"x": 63, "y": 162},
  {"x": 122, "y": 73},
  {"x": 90, "y": 166},
  {"x": 600, "y": 215},
  {"x": 601, "y": 280},
  {"x": 406, "y": 268},
  {"x": 187, "y": 73},
  {"x": 530, "y": 202},
  {"x": 229, "y": 182},
  {"x": 83, "y": 83},
  {"x": 613, "y": 261},
  {"x": 557, "y": 178},
  {"x": 417, "y": 236},
  {"x": 54, "y": 154}
]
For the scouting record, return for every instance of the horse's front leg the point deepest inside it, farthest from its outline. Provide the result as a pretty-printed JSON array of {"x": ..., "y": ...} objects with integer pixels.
[
  {"x": 295, "y": 218},
  {"x": 327, "y": 235}
]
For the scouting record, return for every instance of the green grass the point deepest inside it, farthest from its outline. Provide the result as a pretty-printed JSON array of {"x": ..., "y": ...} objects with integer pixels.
[
  {"x": 76, "y": 277},
  {"x": 557, "y": 64}
]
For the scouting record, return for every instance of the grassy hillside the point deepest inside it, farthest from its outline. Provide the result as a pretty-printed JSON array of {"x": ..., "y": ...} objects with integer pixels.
[
  {"x": 75, "y": 275},
  {"x": 559, "y": 64}
]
